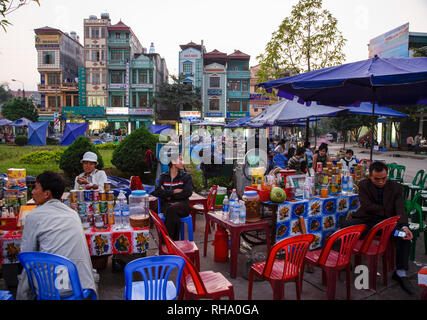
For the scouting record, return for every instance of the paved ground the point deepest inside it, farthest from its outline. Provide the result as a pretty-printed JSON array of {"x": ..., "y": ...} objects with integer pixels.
[{"x": 111, "y": 285}]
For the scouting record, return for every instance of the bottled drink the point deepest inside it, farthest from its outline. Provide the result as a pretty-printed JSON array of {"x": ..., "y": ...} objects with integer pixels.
[
  {"x": 235, "y": 212},
  {"x": 117, "y": 216},
  {"x": 242, "y": 212},
  {"x": 125, "y": 216},
  {"x": 308, "y": 189},
  {"x": 350, "y": 185},
  {"x": 233, "y": 198},
  {"x": 225, "y": 207},
  {"x": 345, "y": 181}
]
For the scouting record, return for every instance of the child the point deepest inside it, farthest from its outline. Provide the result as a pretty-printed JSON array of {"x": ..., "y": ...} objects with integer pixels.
[
  {"x": 349, "y": 160},
  {"x": 295, "y": 162}
]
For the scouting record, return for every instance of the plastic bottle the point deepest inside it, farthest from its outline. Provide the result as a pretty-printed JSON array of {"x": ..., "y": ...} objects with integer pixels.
[
  {"x": 350, "y": 185},
  {"x": 233, "y": 199},
  {"x": 125, "y": 215},
  {"x": 225, "y": 207},
  {"x": 242, "y": 212},
  {"x": 344, "y": 181},
  {"x": 236, "y": 212},
  {"x": 117, "y": 216},
  {"x": 308, "y": 188},
  {"x": 121, "y": 199}
]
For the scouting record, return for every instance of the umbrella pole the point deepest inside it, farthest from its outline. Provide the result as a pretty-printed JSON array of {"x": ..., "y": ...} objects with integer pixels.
[
  {"x": 315, "y": 134},
  {"x": 373, "y": 123},
  {"x": 307, "y": 130}
]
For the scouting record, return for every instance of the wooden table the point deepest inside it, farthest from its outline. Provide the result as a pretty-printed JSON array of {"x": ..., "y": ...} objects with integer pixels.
[{"x": 235, "y": 230}]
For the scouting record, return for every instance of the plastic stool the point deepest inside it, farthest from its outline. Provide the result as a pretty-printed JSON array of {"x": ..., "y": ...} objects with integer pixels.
[
  {"x": 187, "y": 220},
  {"x": 6, "y": 295}
]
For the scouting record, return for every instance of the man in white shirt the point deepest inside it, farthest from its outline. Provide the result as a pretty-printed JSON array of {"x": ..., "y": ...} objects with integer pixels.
[
  {"x": 91, "y": 175},
  {"x": 54, "y": 228}
]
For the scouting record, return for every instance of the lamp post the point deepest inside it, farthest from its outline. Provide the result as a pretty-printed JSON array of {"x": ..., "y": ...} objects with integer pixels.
[{"x": 23, "y": 89}]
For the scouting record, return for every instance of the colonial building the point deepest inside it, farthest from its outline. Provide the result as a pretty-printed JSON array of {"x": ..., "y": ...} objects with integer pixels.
[{"x": 59, "y": 57}]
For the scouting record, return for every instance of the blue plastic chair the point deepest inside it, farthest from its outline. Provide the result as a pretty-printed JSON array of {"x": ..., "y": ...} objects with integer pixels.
[
  {"x": 44, "y": 267},
  {"x": 155, "y": 272},
  {"x": 184, "y": 221},
  {"x": 6, "y": 295}
]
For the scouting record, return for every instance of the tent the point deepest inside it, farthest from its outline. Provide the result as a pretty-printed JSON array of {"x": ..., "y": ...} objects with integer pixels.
[
  {"x": 158, "y": 128},
  {"x": 5, "y": 122},
  {"x": 72, "y": 131},
  {"x": 23, "y": 122},
  {"x": 366, "y": 109},
  {"x": 37, "y": 132}
]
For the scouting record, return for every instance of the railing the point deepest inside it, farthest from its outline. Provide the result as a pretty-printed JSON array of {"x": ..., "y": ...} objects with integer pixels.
[
  {"x": 238, "y": 74},
  {"x": 238, "y": 94},
  {"x": 118, "y": 42}
]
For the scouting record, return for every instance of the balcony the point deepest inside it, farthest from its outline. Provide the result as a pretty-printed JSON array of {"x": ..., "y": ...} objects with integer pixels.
[
  {"x": 113, "y": 42},
  {"x": 238, "y": 94},
  {"x": 238, "y": 74},
  {"x": 66, "y": 86},
  {"x": 121, "y": 64}
]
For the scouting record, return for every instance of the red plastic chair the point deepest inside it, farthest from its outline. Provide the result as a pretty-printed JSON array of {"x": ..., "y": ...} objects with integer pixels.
[
  {"x": 188, "y": 247},
  {"x": 373, "y": 246},
  {"x": 196, "y": 208},
  {"x": 331, "y": 261},
  {"x": 201, "y": 285},
  {"x": 276, "y": 271}
]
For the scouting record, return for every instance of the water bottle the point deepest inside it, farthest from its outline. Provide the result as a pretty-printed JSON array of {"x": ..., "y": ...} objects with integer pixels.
[
  {"x": 242, "y": 212},
  {"x": 350, "y": 185},
  {"x": 233, "y": 198},
  {"x": 236, "y": 212},
  {"x": 125, "y": 215},
  {"x": 225, "y": 207},
  {"x": 308, "y": 189},
  {"x": 121, "y": 199},
  {"x": 345, "y": 180},
  {"x": 117, "y": 216}
]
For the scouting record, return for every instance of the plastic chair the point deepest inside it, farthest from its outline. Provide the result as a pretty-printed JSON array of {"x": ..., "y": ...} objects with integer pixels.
[
  {"x": 156, "y": 284},
  {"x": 189, "y": 247},
  {"x": 416, "y": 223},
  {"x": 331, "y": 261},
  {"x": 184, "y": 221},
  {"x": 6, "y": 295},
  {"x": 417, "y": 184},
  {"x": 400, "y": 172},
  {"x": 372, "y": 249},
  {"x": 276, "y": 271},
  {"x": 391, "y": 170},
  {"x": 210, "y": 202},
  {"x": 45, "y": 268},
  {"x": 200, "y": 285}
]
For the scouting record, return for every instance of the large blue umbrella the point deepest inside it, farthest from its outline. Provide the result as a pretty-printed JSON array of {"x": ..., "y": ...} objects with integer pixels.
[
  {"x": 5, "y": 122},
  {"x": 366, "y": 109},
  {"x": 393, "y": 81},
  {"x": 23, "y": 122}
]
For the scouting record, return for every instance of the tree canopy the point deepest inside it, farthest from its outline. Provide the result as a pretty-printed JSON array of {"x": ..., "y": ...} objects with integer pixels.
[
  {"x": 307, "y": 40},
  {"x": 9, "y": 6},
  {"x": 18, "y": 108},
  {"x": 5, "y": 95}
]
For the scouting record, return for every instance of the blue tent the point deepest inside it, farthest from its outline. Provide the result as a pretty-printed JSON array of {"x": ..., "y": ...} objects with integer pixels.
[
  {"x": 366, "y": 109},
  {"x": 5, "y": 122},
  {"x": 37, "y": 132},
  {"x": 158, "y": 128},
  {"x": 23, "y": 122},
  {"x": 72, "y": 131}
]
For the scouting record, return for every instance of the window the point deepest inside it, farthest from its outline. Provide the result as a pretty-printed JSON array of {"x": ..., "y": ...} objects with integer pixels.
[
  {"x": 95, "y": 55},
  {"x": 142, "y": 76},
  {"x": 127, "y": 35},
  {"x": 104, "y": 77},
  {"x": 48, "y": 57},
  {"x": 234, "y": 85},
  {"x": 245, "y": 105},
  {"x": 255, "y": 109},
  {"x": 102, "y": 32},
  {"x": 68, "y": 100},
  {"x": 214, "y": 104},
  {"x": 187, "y": 67},
  {"x": 234, "y": 105},
  {"x": 95, "y": 32},
  {"x": 102, "y": 55},
  {"x": 87, "y": 33},
  {"x": 143, "y": 99},
  {"x": 235, "y": 68},
  {"x": 87, "y": 55},
  {"x": 96, "y": 78},
  {"x": 76, "y": 100},
  {"x": 53, "y": 78},
  {"x": 117, "y": 101},
  {"x": 52, "y": 104},
  {"x": 117, "y": 77},
  {"x": 117, "y": 35},
  {"x": 134, "y": 100},
  {"x": 245, "y": 85},
  {"x": 116, "y": 55},
  {"x": 214, "y": 82}
]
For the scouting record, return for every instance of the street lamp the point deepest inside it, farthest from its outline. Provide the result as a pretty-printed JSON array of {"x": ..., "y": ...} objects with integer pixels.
[{"x": 23, "y": 90}]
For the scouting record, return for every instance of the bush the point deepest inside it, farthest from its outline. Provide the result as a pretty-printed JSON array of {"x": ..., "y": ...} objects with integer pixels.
[
  {"x": 21, "y": 140},
  {"x": 222, "y": 181},
  {"x": 70, "y": 159},
  {"x": 40, "y": 157},
  {"x": 196, "y": 177},
  {"x": 52, "y": 142},
  {"x": 129, "y": 155},
  {"x": 106, "y": 146}
]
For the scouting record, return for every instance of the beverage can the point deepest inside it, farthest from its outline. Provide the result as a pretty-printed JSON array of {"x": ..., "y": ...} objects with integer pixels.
[
  {"x": 319, "y": 167},
  {"x": 73, "y": 196},
  {"x": 107, "y": 187},
  {"x": 74, "y": 206},
  {"x": 88, "y": 195},
  {"x": 103, "y": 196},
  {"x": 89, "y": 208},
  {"x": 110, "y": 196},
  {"x": 110, "y": 207},
  {"x": 95, "y": 195},
  {"x": 96, "y": 208},
  {"x": 81, "y": 208},
  {"x": 103, "y": 206}
]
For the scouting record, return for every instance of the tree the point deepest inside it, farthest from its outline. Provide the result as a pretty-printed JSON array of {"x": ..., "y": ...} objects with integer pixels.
[
  {"x": 345, "y": 123},
  {"x": 17, "y": 108},
  {"x": 9, "y": 6},
  {"x": 176, "y": 97},
  {"x": 307, "y": 40},
  {"x": 5, "y": 95}
]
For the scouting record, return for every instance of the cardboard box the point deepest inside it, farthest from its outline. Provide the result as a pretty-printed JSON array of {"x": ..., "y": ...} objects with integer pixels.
[
  {"x": 329, "y": 205},
  {"x": 283, "y": 230},
  {"x": 329, "y": 223},
  {"x": 314, "y": 224},
  {"x": 315, "y": 207},
  {"x": 353, "y": 202},
  {"x": 317, "y": 242},
  {"x": 343, "y": 203}
]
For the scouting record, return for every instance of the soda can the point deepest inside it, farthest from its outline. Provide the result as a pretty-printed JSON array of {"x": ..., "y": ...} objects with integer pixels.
[
  {"x": 74, "y": 206},
  {"x": 107, "y": 187},
  {"x": 110, "y": 206},
  {"x": 103, "y": 196},
  {"x": 95, "y": 195},
  {"x": 80, "y": 195},
  {"x": 110, "y": 218},
  {"x": 110, "y": 196},
  {"x": 88, "y": 195},
  {"x": 319, "y": 167},
  {"x": 89, "y": 208},
  {"x": 96, "y": 209},
  {"x": 103, "y": 206},
  {"x": 81, "y": 208}
]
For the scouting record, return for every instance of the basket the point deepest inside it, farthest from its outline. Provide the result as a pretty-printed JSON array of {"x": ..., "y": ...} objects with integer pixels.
[{"x": 264, "y": 195}]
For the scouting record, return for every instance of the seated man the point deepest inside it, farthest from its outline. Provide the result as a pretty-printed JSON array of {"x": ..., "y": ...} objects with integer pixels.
[
  {"x": 174, "y": 188},
  {"x": 381, "y": 199},
  {"x": 54, "y": 228}
]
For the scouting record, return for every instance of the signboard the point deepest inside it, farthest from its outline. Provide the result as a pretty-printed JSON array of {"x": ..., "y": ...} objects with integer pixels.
[
  {"x": 117, "y": 86},
  {"x": 237, "y": 114},
  {"x": 256, "y": 96},
  {"x": 127, "y": 83},
  {"x": 84, "y": 111},
  {"x": 56, "y": 123},
  {"x": 150, "y": 86},
  {"x": 213, "y": 114},
  {"x": 214, "y": 92},
  {"x": 189, "y": 114},
  {"x": 82, "y": 87},
  {"x": 117, "y": 110},
  {"x": 48, "y": 39},
  {"x": 393, "y": 44},
  {"x": 141, "y": 112}
]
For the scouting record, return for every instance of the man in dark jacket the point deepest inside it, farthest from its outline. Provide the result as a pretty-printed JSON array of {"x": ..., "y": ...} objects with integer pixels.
[
  {"x": 381, "y": 199},
  {"x": 174, "y": 188}
]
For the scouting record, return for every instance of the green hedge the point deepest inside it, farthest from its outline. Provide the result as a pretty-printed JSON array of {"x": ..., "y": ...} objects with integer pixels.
[
  {"x": 106, "y": 146},
  {"x": 21, "y": 140},
  {"x": 40, "y": 157}
]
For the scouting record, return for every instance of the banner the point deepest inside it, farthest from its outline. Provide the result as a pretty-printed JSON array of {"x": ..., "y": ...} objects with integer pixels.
[{"x": 393, "y": 44}]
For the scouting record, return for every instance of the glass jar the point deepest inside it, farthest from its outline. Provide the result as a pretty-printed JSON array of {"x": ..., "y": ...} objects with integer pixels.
[
  {"x": 252, "y": 204},
  {"x": 139, "y": 207}
]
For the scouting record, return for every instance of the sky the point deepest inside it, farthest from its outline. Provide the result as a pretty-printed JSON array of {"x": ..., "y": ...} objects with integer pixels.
[{"x": 225, "y": 25}]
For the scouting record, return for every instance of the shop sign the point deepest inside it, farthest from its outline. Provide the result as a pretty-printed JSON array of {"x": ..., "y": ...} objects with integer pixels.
[
  {"x": 213, "y": 114},
  {"x": 237, "y": 114},
  {"x": 48, "y": 39},
  {"x": 143, "y": 85},
  {"x": 189, "y": 114},
  {"x": 117, "y": 86},
  {"x": 214, "y": 92},
  {"x": 84, "y": 111},
  {"x": 140, "y": 112},
  {"x": 117, "y": 110}
]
